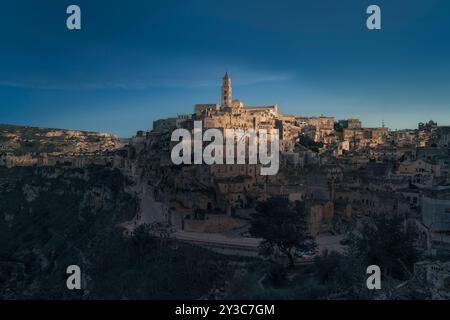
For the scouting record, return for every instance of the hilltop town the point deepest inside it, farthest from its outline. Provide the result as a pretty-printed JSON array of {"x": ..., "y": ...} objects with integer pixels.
[{"x": 340, "y": 170}]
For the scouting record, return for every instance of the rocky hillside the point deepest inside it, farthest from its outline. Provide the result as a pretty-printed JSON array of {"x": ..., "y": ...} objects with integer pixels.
[
  {"x": 19, "y": 140},
  {"x": 51, "y": 218}
]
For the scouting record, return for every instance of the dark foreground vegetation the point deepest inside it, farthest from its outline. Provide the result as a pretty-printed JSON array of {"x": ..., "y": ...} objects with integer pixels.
[{"x": 51, "y": 218}]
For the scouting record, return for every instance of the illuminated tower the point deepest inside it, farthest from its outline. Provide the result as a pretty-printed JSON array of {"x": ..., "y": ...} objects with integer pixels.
[{"x": 226, "y": 91}]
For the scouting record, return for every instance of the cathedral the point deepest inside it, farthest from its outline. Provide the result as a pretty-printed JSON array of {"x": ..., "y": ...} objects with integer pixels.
[
  {"x": 233, "y": 114},
  {"x": 228, "y": 105}
]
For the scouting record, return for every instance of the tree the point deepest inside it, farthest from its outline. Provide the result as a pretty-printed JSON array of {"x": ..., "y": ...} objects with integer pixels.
[
  {"x": 309, "y": 143},
  {"x": 283, "y": 227},
  {"x": 342, "y": 275},
  {"x": 383, "y": 241},
  {"x": 141, "y": 243}
]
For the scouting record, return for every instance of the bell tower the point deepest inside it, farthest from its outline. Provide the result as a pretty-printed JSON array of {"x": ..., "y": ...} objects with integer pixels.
[{"x": 226, "y": 91}]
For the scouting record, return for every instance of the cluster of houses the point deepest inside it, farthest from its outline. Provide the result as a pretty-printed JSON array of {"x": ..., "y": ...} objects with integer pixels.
[
  {"x": 352, "y": 172},
  {"x": 340, "y": 170}
]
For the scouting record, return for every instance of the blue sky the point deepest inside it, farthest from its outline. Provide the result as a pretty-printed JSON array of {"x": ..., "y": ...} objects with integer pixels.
[{"x": 136, "y": 61}]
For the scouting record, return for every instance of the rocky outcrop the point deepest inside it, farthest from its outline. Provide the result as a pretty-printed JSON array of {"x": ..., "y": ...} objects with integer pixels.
[{"x": 27, "y": 146}]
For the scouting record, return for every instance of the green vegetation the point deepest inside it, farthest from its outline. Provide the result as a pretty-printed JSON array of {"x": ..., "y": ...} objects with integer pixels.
[
  {"x": 381, "y": 240},
  {"x": 144, "y": 267},
  {"x": 283, "y": 228},
  {"x": 51, "y": 218},
  {"x": 309, "y": 143},
  {"x": 384, "y": 242}
]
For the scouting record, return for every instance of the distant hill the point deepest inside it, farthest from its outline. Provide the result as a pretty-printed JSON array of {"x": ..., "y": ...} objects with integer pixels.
[{"x": 20, "y": 140}]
